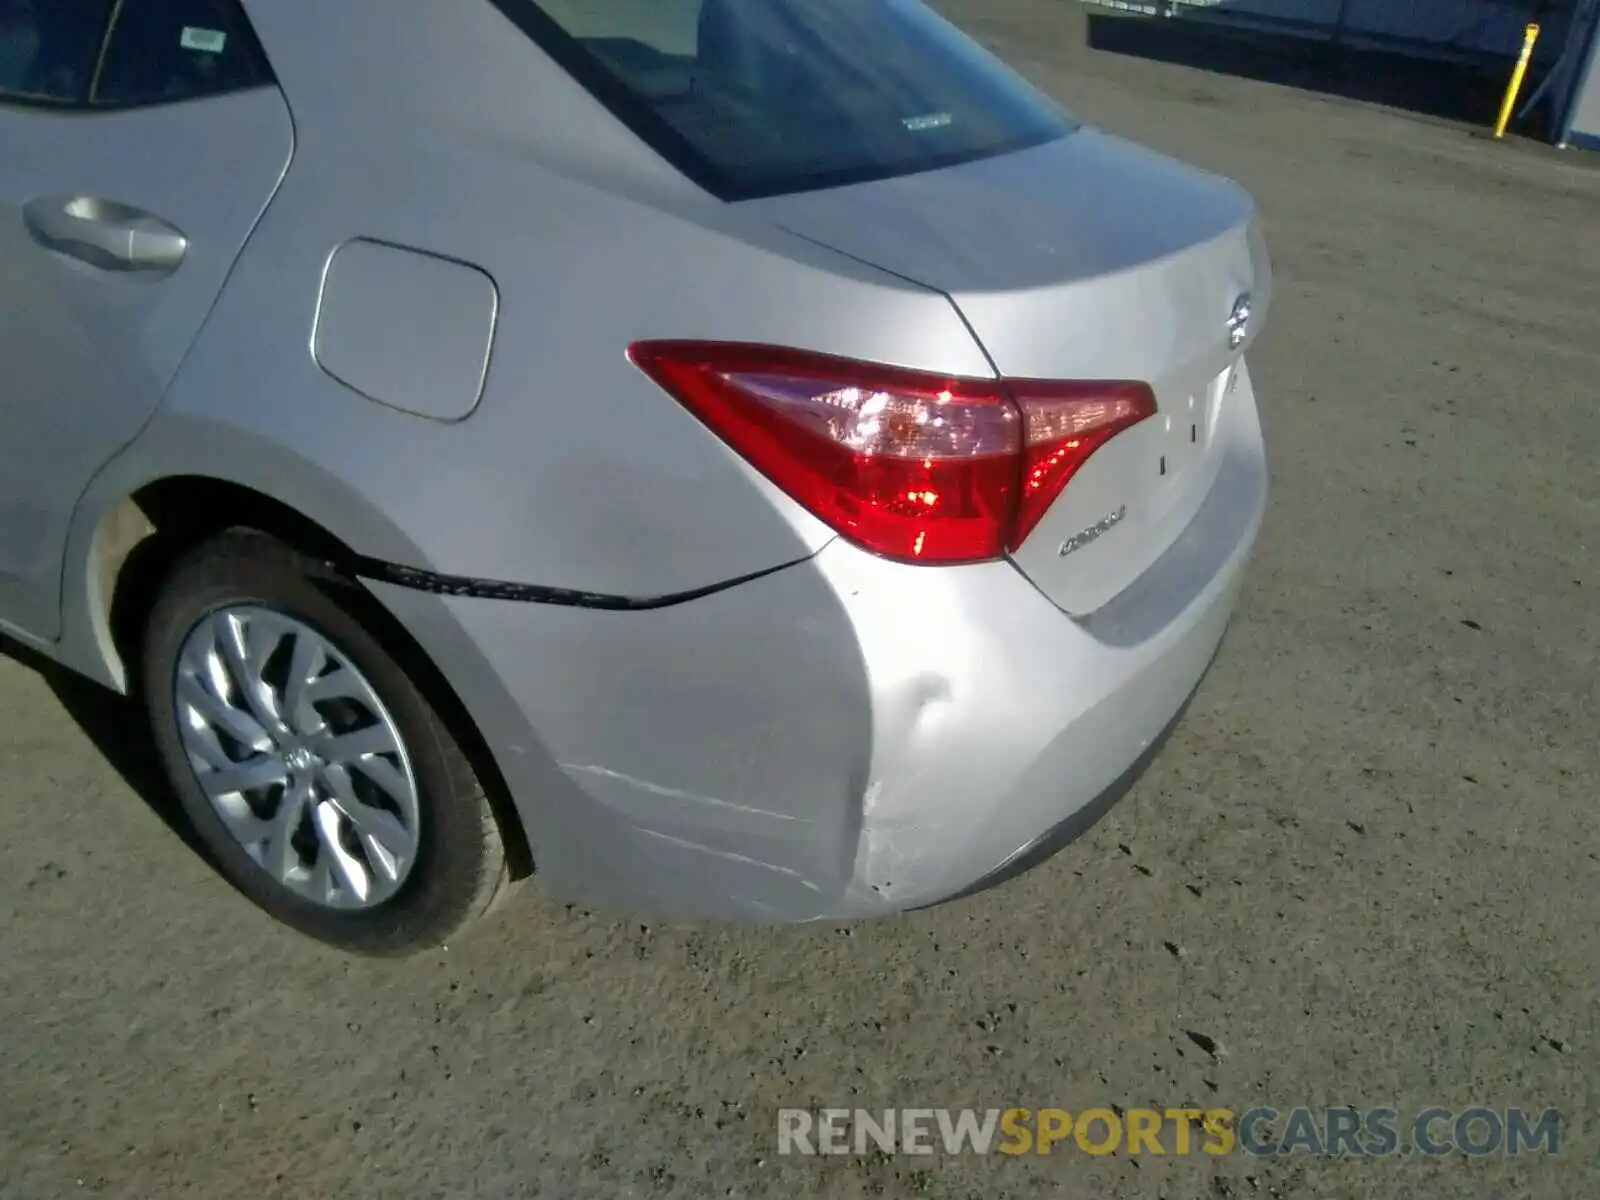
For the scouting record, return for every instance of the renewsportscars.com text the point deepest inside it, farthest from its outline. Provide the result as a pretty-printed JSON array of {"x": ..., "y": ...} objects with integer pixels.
[{"x": 1259, "y": 1132}]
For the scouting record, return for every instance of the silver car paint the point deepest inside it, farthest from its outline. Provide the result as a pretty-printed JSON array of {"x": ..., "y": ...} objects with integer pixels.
[
  {"x": 651, "y": 502},
  {"x": 846, "y": 737},
  {"x": 87, "y": 352},
  {"x": 443, "y": 312},
  {"x": 841, "y": 736},
  {"x": 1098, "y": 271}
]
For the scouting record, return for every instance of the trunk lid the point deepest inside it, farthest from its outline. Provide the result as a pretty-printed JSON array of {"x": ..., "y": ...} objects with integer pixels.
[{"x": 1085, "y": 258}]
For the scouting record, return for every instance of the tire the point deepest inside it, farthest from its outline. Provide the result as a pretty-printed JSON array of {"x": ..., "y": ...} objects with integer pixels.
[{"x": 372, "y": 851}]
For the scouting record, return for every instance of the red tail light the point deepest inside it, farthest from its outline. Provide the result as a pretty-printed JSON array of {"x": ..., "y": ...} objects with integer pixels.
[{"x": 921, "y": 468}]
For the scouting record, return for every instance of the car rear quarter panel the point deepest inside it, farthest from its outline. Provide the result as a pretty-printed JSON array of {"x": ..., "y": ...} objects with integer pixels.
[
  {"x": 705, "y": 759},
  {"x": 451, "y": 133}
]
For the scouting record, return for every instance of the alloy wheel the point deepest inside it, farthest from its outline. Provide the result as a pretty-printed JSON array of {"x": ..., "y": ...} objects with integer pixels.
[{"x": 298, "y": 756}]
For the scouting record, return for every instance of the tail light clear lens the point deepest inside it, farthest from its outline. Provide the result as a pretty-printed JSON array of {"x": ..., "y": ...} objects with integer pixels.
[{"x": 915, "y": 467}]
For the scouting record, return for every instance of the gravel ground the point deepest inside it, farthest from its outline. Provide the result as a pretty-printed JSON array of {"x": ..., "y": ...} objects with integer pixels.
[{"x": 1362, "y": 873}]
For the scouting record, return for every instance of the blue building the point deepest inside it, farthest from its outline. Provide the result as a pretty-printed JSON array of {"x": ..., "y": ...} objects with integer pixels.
[{"x": 1483, "y": 37}]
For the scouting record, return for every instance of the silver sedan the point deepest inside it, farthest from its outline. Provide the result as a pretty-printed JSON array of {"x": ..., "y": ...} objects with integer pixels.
[{"x": 734, "y": 458}]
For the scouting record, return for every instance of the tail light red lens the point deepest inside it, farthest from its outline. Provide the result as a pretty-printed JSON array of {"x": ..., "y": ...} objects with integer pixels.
[
  {"x": 1066, "y": 423},
  {"x": 915, "y": 467}
]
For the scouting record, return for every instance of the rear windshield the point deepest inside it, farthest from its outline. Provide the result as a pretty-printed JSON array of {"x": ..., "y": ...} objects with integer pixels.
[{"x": 762, "y": 97}]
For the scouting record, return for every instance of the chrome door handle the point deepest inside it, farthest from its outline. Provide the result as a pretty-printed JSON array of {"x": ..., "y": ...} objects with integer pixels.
[{"x": 106, "y": 234}]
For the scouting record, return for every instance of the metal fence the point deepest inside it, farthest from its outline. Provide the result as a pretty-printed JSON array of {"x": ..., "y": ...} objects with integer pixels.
[{"x": 1469, "y": 30}]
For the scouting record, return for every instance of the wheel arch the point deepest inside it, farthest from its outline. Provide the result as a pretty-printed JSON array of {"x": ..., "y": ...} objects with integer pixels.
[
  {"x": 140, "y": 536},
  {"x": 132, "y": 539}
]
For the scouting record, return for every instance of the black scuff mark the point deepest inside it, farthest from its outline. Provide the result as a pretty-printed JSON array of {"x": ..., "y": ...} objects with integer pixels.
[{"x": 413, "y": 579}]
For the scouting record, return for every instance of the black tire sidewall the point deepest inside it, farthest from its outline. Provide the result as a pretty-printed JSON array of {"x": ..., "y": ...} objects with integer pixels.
[{"x": 438, "y": 895}]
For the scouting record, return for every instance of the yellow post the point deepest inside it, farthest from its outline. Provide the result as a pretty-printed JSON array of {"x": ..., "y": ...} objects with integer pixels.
[{"x": 1530, "y": 35}]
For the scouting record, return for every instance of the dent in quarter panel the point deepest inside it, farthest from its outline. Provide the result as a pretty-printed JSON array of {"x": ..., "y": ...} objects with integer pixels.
[
  {"x": 675, "y": 757},
  {"x": 406, "y": 328}
]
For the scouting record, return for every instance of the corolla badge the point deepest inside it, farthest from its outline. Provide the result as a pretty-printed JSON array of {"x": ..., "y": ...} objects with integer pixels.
[
  {"x": 1239, "y": 322},
  {"x": 1096, "y": 531}
]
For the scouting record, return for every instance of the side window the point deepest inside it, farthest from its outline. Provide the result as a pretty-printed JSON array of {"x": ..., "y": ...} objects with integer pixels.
[
  {"x": 48, "y": 48},
  {"x": 162, "y": 51}
]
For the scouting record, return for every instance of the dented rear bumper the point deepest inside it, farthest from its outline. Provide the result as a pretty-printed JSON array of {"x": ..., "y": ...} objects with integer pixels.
[{"x": 845, "y": 737}]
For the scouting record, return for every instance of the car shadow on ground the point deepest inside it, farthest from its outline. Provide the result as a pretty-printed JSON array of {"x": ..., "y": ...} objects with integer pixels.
[
  {"x": 1440, "y": 90},
  {"x": 117, "y": 726}
]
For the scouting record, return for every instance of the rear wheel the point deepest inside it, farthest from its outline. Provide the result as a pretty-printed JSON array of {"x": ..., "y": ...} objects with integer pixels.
[{"x": 327, "y": 788}]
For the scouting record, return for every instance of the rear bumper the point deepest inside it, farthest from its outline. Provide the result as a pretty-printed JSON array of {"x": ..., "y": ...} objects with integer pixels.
[
  {"x": 1078, "y": 823},
  {"x": 843, "y": 738}
]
